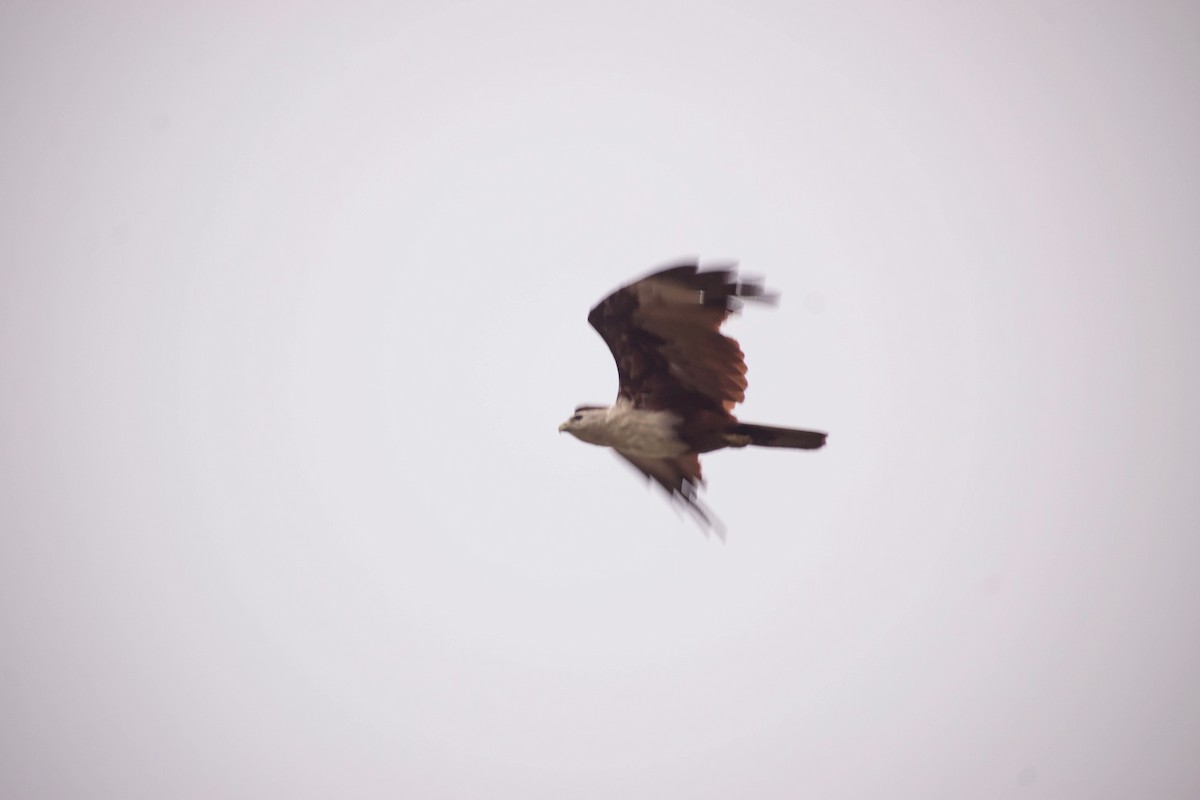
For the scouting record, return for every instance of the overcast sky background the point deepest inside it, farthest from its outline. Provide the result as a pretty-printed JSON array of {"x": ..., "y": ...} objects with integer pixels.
[{"x": 292, "y": 301}]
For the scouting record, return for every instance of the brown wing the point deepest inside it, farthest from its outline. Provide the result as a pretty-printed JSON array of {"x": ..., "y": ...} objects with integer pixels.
[
  {"x": 682, "y": 480},
  {"x": 664, "y": 333}
]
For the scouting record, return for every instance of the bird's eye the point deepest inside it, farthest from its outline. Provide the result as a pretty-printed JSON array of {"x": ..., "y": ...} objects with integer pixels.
[{"x": 576, "y": 418}]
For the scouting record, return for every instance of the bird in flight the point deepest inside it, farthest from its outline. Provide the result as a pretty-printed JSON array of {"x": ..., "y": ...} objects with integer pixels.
[{"x": 680, "y": 378}]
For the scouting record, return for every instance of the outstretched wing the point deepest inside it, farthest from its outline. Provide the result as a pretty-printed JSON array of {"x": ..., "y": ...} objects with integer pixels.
[
  {"x": 664, "y": 333},
  {"x": 682, "y": 480}
]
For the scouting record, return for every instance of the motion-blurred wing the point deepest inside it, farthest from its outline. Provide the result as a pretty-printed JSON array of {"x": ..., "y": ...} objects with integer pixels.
[
  {"x": 682, "y": 480},
  {"x": 664, "y": 333}
]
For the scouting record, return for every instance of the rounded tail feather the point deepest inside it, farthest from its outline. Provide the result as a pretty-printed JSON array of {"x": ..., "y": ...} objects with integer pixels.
[{"x": 768, "y": 436}]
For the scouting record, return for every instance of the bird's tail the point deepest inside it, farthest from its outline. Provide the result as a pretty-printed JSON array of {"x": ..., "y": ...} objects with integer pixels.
[{"x": 766, "y": 436}]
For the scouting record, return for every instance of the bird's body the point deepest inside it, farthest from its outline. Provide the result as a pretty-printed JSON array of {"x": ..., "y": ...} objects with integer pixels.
[
  {"x": 679, "y": 377},
  {"x": 636, "y": 431}
]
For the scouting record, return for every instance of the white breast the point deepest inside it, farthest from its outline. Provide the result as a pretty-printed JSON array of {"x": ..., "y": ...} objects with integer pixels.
[{"x": 649, "y": 434}]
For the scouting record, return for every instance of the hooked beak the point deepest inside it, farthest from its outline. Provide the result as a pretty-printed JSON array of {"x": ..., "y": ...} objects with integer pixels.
[{"x": 562, "y": 427}]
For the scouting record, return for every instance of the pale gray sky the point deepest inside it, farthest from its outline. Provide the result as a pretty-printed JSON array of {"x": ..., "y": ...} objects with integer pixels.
[{"x": 293, "y": 299}]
